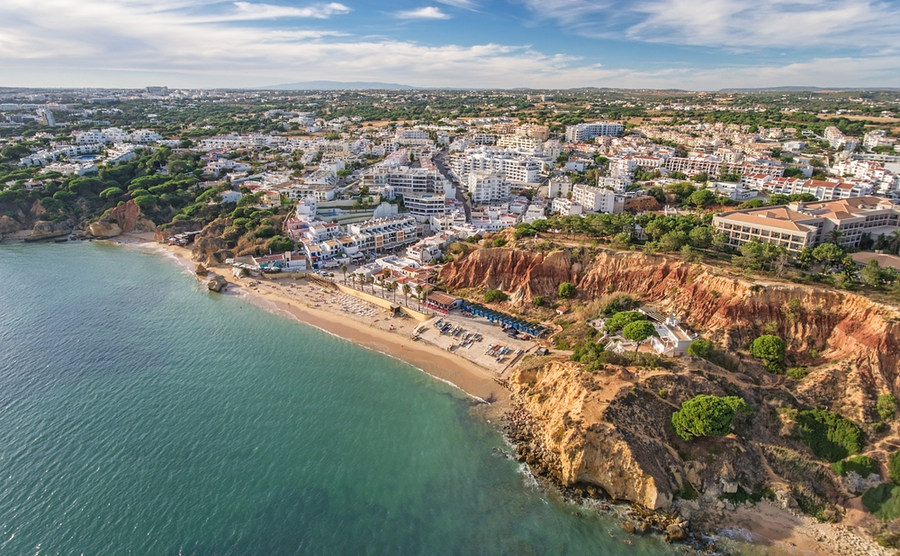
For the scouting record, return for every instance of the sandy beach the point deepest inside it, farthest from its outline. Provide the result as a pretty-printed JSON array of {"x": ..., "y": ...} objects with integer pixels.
[{"x": 307, "y": 303}]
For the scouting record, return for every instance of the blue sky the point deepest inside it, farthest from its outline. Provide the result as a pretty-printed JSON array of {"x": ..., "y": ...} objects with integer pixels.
[{"x": 688, "y": 44}]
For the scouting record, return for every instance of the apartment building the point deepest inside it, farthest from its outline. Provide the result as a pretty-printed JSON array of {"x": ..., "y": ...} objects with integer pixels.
[
  {"x": 487, "y": 187},
  {"x": 405, "y": 180},
  {"x": 423, "y": 206},
  {"x": 713, "y": 167},
  {"x": 385, "y": 233},
  {"x": 596, "y": 199},
  {"x": 514, "y": 166},
  {"x": 799, "y": 225},
  {"x": 824, "y": 190},
  {"x": 580, "y": 133},
  {"x": 565, "y": 207}
]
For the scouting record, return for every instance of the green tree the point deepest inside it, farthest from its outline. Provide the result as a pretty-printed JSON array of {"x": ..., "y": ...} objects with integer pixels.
[
  {"x": 537, "y": 300},
  {"x": 828, "y": 253},
  {"x": 700, "y": 347},
  {"x": 672, "y": 241},
  {"x": 494, "y": 296},
  {"x": 701, "y": 237},
  {"x": 622, "y": 319},
  {"x": 702, "y": 198},
  {"x": 706, "y": 415},
  {"x": 771, "y": 350},
  {"x": 638, "y": 331},
  {"x": 886, "y": 406},
  {"x": 567, "y": 290}
]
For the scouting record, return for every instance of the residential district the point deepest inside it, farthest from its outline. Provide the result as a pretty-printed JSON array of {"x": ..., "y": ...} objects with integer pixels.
[{"x": 732, "y": 254}]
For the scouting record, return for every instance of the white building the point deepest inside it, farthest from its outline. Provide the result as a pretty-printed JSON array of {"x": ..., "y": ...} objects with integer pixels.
[
  {"x": 487, "y": 187},
  {"x": 584, "y": 132},
  {"x": 566, "y": 207},
  {"x": 596, "y": 199}
]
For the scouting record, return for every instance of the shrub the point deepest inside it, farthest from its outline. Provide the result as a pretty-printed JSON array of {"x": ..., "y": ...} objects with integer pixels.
[
  {"x": 886, "y": 406},
  {"x": 145, "y": 201},
  {"x": 701, "y": 348},
  {"x": 537, "y": 300},
  {"x": 797, "y": 373},
  {"x": 567, "y": 290},
  {"x": 494, "y": 296},
  {"x": 771, "y": 350},
  {"x": 861, "y": 465},
  {"x": 829, "y": 436},
  {"x": 280, "y": 244},
  {"x": 619, "y": 304},
  {"x": 707, "y": 416},
  {"x": 687, "y": 492},
  {"x": 883, "y": 501},
  {"x": 894, "y": 467},
  {"x": 265, "y": 232},
  {"x": 622, "y": 319}
]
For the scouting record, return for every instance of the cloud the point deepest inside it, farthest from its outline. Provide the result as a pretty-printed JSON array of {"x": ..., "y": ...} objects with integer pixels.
[
  {"x": 247, "y": 10},
  {"x": 857, "y": 24},
  {"x": 464, "y": 4},
  {"x": 83, "y": 43},
  {"x": 429, "y": 12}
]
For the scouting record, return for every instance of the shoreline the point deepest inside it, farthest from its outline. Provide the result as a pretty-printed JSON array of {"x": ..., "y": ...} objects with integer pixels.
[
  {"x": 475, "y": 381},
  {"x": 762, "y": 525}
]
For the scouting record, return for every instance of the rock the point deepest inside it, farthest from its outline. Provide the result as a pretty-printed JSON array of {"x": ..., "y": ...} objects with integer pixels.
[
  {"x": 642, "y": 528},
  {"x": 48, "y": 230},
  {"x": 729, "y": 506},
  {"x": 104, "y": 229},
  {"x": 201, "y": 270},
  {"x": 216, "y": 283},
  {"x": 729, "y": 488},
  {"x": 676, "y": 532},
  {"x": 629, "y": 527}
]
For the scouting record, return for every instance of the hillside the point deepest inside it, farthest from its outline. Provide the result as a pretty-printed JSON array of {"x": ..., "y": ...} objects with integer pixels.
[{"x": 611, "y": 427}]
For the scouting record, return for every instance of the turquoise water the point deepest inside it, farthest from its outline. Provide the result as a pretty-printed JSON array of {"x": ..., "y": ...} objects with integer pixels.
[{"x": 140, "y": 414}]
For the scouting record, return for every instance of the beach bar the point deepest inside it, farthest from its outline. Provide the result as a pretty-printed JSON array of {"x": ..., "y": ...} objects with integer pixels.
[{"x": 442, "y": 302}]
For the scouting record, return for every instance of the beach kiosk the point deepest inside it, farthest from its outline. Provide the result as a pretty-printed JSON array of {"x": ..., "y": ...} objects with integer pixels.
[{"x": 442, "y": 302}]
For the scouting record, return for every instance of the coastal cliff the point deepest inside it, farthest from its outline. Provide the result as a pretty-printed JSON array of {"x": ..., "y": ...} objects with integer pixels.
[{"x": 611, "y": 429}]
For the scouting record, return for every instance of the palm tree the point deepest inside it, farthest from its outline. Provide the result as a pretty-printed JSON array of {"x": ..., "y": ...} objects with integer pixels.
[
  {"x": 372, "y": 283},
  {"x": 419, "y": 295},
  {"x": 835, "y": 235},
  {"x": 394, "y": 290},
  {"x": 894, "y": 242},
  {"x": 344, "y": 270},
  {"x": 406, "y": 290}
]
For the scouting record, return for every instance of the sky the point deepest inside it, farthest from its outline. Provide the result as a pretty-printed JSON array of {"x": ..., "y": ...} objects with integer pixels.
[{"x": 550, "y": 44}]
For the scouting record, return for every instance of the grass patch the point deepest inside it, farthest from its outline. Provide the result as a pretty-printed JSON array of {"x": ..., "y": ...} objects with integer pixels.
[
  {"x": 760, "y": 492},
  {"x": 861, "y": 465},
  {"x": 687, "y": 492},
  {"x": 883, "y": 501}
]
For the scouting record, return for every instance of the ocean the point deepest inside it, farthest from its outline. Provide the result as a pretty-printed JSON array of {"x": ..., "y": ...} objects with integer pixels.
[{"x": 141, "y": 414}]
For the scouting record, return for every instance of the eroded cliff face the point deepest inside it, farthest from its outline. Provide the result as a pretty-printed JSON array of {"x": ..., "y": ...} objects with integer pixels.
[
  {"x": 123, "y": 219},
  {"x": 819, "y": 325},
  {"x": 611, "y": 429},
  {"x": 586, "y": 439}
]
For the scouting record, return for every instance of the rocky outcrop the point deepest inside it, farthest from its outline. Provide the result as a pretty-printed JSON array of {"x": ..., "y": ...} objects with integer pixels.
[
  {"x": 216, "y": 283},
  {"x": 123, "y": 219},
  {"x": 49, "y": 230},
  {"x": 9, "y": 225},
  {"x": 103, "y": 229},
  {"x": 585, "y": 438}
]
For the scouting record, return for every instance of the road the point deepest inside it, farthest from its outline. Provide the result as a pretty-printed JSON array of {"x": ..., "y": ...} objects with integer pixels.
[{"x": 440, "y": 160}]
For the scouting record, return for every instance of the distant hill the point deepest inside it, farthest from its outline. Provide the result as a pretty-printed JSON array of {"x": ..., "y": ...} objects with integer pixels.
[
  {"x": 338, "y": 85},
  {"x": 803, "y": 89}
]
